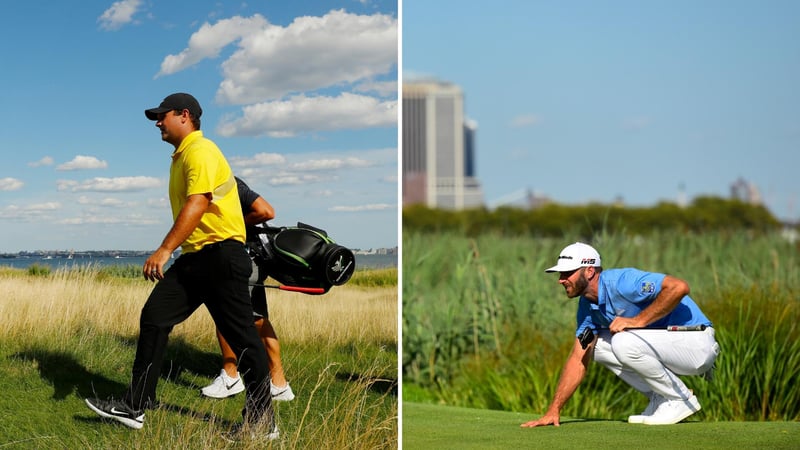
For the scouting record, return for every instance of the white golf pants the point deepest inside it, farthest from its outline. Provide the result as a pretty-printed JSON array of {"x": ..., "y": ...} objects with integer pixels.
[{"x": 651, "y": 360}]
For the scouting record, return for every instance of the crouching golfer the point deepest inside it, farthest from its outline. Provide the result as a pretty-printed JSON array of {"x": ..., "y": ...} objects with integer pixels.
[{"x": 623, "y": 319}]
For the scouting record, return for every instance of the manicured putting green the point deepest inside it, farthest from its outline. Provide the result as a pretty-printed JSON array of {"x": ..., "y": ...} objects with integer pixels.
[{"x": 444, "y": 427}]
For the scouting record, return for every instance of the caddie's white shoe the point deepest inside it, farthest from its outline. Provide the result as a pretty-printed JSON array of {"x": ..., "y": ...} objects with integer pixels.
[
  {"x": 223, "y": 386},
  {"x": 282, "y": 393},
  {"x": 673, "y": 411},
  {"x": 655, "y": 401}
]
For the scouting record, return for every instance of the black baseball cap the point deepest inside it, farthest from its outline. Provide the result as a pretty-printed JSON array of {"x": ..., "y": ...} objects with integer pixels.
[{"x": 175, "y": 102}]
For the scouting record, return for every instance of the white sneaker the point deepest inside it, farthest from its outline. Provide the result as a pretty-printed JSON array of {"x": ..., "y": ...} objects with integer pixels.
[
  {"x": 673, "y": 411},
  {"x": 281, "y": 394},
  {"x": 655, "y": 401},
  {"x": 223, "y": 386}
]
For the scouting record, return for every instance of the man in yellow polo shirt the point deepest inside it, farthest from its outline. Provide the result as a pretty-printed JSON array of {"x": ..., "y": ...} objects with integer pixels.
[{"x": 213, "y": 269}]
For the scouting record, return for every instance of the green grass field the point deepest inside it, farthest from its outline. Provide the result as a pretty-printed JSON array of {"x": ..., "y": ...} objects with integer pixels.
[
  {"x": 485, "y": 327},
  {"x": 67, "y": 335},
  {"x": 486, "y": 333},
  {"x": 439, "y": 427}
]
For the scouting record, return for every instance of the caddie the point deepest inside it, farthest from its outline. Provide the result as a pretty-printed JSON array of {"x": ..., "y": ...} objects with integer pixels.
[{"x": 642, "y": 326}]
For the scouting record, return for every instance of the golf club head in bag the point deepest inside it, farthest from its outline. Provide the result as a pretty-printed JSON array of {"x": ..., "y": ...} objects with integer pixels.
[{"x": 305, "y": 256}]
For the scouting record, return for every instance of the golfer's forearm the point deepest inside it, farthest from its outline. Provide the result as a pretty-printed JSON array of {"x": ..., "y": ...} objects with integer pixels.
[
  {"x": 570, "y": 379},
  {"x": 186, "y": 222}
]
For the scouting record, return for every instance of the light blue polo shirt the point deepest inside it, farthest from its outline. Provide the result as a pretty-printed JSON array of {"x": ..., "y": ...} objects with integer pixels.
[{"x": 625, "y": 293}]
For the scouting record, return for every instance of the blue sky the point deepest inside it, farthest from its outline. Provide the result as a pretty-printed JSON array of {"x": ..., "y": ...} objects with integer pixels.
[
  {"x": 300, "y": 96},
  {"x": 593, "y": 101}
]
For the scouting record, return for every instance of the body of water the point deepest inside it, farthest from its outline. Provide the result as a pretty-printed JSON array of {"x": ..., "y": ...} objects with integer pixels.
[{"x": 362, "y": 261}]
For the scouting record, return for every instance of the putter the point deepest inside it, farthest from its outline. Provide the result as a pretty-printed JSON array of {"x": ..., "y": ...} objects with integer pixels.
[
  {"x": 587, "y": 336},
  {"x": 672, "y": 328}
]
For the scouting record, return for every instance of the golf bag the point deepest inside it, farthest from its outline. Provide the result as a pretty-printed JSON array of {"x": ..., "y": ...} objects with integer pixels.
[{"x": 302, "y": 256}]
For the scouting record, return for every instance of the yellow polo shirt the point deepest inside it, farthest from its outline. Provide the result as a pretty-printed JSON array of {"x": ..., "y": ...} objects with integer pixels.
[{"x": 199, "y": 167}]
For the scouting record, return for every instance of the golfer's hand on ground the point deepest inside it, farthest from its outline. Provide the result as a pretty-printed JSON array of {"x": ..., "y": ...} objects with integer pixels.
[{"x": 547, "y": 419}]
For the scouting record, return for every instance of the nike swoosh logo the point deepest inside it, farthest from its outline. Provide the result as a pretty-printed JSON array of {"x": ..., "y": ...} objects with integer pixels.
[
  {"x": 114, "y": 410},
  {"x": 232, "y": 385}
]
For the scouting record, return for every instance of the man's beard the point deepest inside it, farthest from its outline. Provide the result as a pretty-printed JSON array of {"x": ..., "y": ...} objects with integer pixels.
[{"x": 579, "y": 287}]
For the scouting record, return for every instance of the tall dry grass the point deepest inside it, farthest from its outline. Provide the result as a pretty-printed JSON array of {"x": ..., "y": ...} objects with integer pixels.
[
  {"x": 338, "y": 317},
  {"x": 65, "y": 301},
  {"x": 69, "y": 300},
  {"x": 339, "y": 351}
]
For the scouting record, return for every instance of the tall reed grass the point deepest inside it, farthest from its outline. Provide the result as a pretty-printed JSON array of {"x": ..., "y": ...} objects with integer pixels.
[
  {"x": 71, "y": 334},
  {"x": 484, "y": 326}
]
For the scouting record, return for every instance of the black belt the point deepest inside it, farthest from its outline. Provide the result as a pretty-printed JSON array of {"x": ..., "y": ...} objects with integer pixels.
[{"x": 220, "y": 244}]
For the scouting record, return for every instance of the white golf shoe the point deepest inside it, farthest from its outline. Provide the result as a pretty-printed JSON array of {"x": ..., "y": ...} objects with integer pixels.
[
  {"x": 223, "y": 386},
  {"x": 655, "y": 401},
  {"x": 673, "y": 411}
]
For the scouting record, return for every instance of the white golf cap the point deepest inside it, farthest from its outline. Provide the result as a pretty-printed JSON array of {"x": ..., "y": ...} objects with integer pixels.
[{"x": 575, "y": 256}]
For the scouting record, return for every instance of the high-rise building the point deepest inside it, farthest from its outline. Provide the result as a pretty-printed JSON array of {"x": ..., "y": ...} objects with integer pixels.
[
  {"x": 745, "y": 191},
  {"x": 438, "y": 148}
]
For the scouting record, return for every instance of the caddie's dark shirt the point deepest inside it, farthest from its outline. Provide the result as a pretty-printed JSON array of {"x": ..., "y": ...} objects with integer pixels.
[{"x": 246, "y": 197}]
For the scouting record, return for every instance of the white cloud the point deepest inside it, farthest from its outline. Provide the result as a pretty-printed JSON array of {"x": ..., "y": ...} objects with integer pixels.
[
  {"x": 106, "y": 202},
  {"x": 258, "y": 160},
  {"x": 35, "y": 212},
  {"x": 81, "y": 162},
  {"x": 118, "y": 184},
  {"x": 158, "y": 203},
  {"x": 285, "y": 179},
  {"x": 47, "y": 206},
  {"x": 309, "y": 54},
  {"x": 210, "y": 39},
  {"x": 362, "y": 208},
  {"x": 331, "y": 164},
  {"x": 10, "y": 184},
  {"x": 119, "y": 14},
  {"x": 309, "y": 168},
  {"x": 302, "y": 114},
  {"x": 102, "y": 219},
  {"x": 250, "y": 173},
  {"x": 46, "y": 161},
  {"x": 382, "y": 88},
  {"x": 526, "y": 120}
]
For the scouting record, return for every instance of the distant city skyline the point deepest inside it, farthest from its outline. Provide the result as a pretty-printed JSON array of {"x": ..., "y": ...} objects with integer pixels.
[
  {"x": 438, "y": 147},
  {"x": 421, "y": 98},
  {"x": 640, "y": 101}
]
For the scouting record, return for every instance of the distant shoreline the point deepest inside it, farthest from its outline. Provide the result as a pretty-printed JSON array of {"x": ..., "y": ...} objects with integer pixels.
[
  {"x": 363, "y": 260},
  {"x": 72, "y": 254}
]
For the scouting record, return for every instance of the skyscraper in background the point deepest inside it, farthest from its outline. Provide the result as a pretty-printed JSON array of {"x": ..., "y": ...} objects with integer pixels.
[{"x": 438, "y": 147}]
